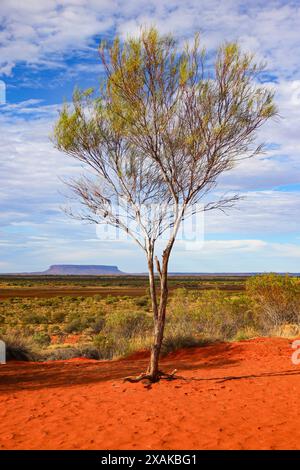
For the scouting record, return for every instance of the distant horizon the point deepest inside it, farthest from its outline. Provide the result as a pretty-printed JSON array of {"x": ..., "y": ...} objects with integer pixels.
[{"x": 42, "y": 272}]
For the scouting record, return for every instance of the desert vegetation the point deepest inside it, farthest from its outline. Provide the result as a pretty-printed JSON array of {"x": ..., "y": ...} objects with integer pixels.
[{"x": 111, "y": 327}]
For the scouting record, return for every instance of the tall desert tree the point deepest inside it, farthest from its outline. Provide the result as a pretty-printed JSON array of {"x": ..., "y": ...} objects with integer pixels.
[{"x": 154, "y": 140}]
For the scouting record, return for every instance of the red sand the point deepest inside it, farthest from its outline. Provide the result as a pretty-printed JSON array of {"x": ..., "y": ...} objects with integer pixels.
[{"x": 243, "y": 396}]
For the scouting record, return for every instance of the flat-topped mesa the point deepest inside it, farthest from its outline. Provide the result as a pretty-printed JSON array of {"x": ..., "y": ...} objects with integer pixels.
[{"x": 79, "y": 269}]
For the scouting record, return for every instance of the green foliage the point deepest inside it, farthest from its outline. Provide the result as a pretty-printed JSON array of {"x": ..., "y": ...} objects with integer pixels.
[
  {"x": 142, "y": 302},
  {"x": 75, "y": 326},
  {"x": 34, "y": 318},
  {"x": 128, "y": 324},
  {"x": 106, "y": 344},
  {"x": 57, "y": 316},
  {"x": 173, "y": 342},
  {"x": 213, "y": 314},
  {"x": 110, "y": 299},
  {"x": 153, "y": 92},
  {"x": 61, "y": 354},
  {"x": 41, "y": 338},
  {"x": 55, "y": 330},
  {"x": 70, "y": 352},
  {"x": 97, "y": 324},
  {"x": 275, "y": 300}
]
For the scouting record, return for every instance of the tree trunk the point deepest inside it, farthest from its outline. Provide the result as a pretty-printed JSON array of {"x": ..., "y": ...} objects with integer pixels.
[
  {"x": 152, "y": 284},
  {"x": 159, "y": 321}
]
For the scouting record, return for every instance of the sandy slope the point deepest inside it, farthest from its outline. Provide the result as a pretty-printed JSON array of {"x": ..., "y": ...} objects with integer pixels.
[{"x": 243, "y": 396}]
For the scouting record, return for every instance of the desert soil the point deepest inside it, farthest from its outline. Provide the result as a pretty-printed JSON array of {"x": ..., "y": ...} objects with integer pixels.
[
  {"x": 55, "y": 291},
  {"x": 241, "y": 395}
]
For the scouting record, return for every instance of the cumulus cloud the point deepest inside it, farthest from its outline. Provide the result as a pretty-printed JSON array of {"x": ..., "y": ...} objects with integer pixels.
[
  {"x": 43, "y": 32},
  {"x": 37, "y": 32},
  {"x": 251, "y": 255},
  {"x": 271, "y": 213}
]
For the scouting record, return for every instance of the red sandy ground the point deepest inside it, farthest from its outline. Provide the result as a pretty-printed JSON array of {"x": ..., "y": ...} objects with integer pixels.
[{"x": 236, "y": 396}]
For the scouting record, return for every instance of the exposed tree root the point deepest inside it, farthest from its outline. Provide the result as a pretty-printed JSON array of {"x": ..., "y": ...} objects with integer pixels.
[{"x": 150, "y": 378}]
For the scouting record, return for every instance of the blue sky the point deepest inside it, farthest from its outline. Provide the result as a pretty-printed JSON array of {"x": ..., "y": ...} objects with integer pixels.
[{"x": 48, "y": 47}]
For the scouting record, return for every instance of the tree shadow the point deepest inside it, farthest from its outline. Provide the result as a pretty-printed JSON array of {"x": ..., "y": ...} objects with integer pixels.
[
  {"x": 284, "y": 373},
  {"x": 34, "y": 375}
]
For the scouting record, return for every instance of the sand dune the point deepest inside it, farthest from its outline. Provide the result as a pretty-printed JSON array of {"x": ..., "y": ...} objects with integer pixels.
[{"x": 233, "y": 396}]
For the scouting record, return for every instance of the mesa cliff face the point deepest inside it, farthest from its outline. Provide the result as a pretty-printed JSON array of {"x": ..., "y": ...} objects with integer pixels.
[{"x": 82, "y": 269}]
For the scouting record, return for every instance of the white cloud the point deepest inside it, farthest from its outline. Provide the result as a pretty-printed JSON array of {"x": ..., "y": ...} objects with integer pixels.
[
  {"x": 271, "y": 213},
  {"x": 42, "y": 32},
  {"x": 235, "y": 247},
  {"x": 218, "y": 247},
  {"x": 30, "y": 166},
  {"x": 251, "y": 255}
]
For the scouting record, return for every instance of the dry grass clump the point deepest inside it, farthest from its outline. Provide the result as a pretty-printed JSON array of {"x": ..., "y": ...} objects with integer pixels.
[
  {"x": 19, "y": 348},
  {"x": 211, "y": 314},
  {"x": 275, "y": 301}
]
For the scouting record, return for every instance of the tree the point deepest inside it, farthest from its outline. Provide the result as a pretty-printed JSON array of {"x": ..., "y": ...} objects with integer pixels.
[{"x": 161, "y": 130}]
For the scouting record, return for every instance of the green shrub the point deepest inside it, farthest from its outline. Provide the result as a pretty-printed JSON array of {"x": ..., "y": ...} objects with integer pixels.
[
  {"x": 55, "y": 330},
  {"x": 90, "y": 352},
  {"x": 179, "y": 341},
  {"x": 142, "y": 302},
  {"x": 127, "y": 324},
  {"x": 74, "y": 326},
  {"x": 110, "y": 299},
  {"x": 275, "y": 300},
  {"x": 62, "y": 354},
  {"x": 41, "y": 338},
  {"x": 27, "y": 330},
  {"x": 97, "y": 324},
  {"x": 211, "y": 313},
  {"x": 57, "y": 316},
  {"x": 244, "y": 334},
  {"x": 34, "y": 318},
  {"x": 106, "y": 345}
]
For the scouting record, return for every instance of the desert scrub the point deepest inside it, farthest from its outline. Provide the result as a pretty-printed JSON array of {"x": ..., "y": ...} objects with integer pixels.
[
  {"x": 97, "y": 324},
  {"x": 41, "y": 339},
  {"x": 210, "y": 314},
  {"x": 246, "y": 333},
  {"x": 123, "y": 332},
  {"x": 119, "y": 327},
  {"x": 63, "y": 353},
  {"x": 110, "y": 346},
  {"x": 127, "y": 324},
  {"x": 275, "y": 301},
  {"x": 173, "y": 342},
  {"x": 20, "y": 348},
  {"x": 110, "y": 299},
  {"x": 55, "y": 330},
  {"x": 75, "y": 326},
  {"x": 143, "y": 302}
]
